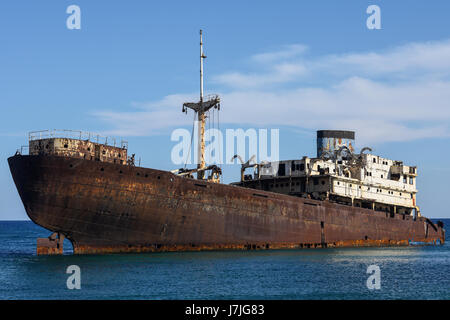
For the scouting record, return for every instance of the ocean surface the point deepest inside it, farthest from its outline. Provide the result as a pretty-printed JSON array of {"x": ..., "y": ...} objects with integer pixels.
[{"x": 416, "y": 272}]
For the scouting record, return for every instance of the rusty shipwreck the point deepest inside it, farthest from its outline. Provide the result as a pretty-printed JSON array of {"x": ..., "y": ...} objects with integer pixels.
[{"x": 92, "y": 193}]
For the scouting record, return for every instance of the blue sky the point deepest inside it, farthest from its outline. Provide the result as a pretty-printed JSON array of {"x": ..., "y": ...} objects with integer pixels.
[{"x": 299, "y": 66}]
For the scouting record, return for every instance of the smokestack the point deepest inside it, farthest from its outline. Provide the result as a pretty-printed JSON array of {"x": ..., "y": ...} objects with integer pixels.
[{"x": 331, "y": 140}]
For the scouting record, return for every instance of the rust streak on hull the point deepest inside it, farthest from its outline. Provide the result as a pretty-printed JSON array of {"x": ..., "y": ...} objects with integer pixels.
[{"x": 242, "y": 247}]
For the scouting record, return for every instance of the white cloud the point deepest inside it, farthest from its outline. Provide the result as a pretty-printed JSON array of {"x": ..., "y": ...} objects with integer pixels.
[
  {"x": 280, "y": 67},
  {"x": 280, "y": 73},
  {"x": 151, "y": 118},
  {"x": 378, "y": 112},
  {"x": 395, "y": 95},
  {"x": 424, "y": 57},
  {"x": 286, "y": 52}
]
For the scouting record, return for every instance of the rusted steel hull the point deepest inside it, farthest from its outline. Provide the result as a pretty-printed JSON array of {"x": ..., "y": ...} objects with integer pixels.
[{"x": 105, "y": 207}]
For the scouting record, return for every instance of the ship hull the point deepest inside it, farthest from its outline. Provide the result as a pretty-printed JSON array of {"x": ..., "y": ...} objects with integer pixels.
[{"x": 105, "y": 207}]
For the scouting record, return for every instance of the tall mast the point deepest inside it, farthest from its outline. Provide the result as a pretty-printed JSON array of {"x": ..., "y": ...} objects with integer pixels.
[
  {"x": 201, "y": 119},
  {"x": 202, "y": 56},
  {"x": 201, "y": 108}
]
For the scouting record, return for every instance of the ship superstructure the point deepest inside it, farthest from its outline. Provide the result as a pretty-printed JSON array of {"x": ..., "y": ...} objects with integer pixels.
[
  {"x": 78, "y": 144},
  {"x": 340, "y": 175}
]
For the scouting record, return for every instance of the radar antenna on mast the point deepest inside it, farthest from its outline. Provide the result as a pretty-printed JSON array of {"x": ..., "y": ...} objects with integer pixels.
[{"x": 201, "y": 107}]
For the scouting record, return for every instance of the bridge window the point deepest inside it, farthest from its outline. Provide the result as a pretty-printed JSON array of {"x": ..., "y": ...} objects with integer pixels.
[{"x": 281, "y": 169}]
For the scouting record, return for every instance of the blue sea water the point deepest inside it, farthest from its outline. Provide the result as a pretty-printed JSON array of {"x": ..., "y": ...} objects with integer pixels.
[{"x": 416, "y": 272}]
